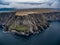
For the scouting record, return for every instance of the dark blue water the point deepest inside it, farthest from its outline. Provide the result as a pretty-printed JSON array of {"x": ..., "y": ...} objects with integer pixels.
[{"x": 50, "y": 36}]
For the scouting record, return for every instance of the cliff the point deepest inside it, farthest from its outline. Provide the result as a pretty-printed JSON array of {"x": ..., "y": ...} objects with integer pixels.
[
  {"x": 52, "y": 16},
  {"x": 24, "y": 25},
  {"x": 32, "y": 23},
  {"x": 27, "y": 22}
]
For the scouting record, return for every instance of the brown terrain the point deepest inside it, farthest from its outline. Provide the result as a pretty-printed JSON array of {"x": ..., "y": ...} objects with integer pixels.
[
  {"x": 37, "y": 11},
  {"x": 26, "y": 22}
]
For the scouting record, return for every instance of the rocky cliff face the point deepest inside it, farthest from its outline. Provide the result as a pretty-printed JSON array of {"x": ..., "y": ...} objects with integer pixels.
[
  {"x": 27, "y": 24},
  {"x": 6, "y": 17},
  {"x": 52, "y": 16},
  {"x": 34, "y": 22}
]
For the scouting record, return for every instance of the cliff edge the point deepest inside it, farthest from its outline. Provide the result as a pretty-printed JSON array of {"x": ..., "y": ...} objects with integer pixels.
[{"x": 27, "y": 22}]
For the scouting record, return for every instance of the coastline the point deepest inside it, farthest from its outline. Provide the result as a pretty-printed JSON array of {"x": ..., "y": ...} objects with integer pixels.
[{"x": 31, "y": 23}]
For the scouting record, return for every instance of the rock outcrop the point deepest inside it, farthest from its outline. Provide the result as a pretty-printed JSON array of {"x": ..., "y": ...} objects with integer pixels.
[
  {"x": 52, "y": 16},
  {"x": 24, "y": 25},
  {"x": 34, "y": 22},
  {"x": 27, "y": 24}
]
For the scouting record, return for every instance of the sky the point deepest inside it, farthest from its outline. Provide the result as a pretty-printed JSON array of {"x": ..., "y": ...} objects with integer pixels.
[
  {"x": 24, "y": 4},
  {"x": 25, "y": 0}
]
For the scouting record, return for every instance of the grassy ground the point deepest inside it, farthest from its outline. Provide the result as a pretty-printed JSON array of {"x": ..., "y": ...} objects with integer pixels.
[{"x": 19, "y": 28}]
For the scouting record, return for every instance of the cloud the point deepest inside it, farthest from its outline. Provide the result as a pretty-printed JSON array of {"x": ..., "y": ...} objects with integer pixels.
[
  {"x": 26, "y": 0},
  {"x": 48, "y": 4},
  {"x": 24, "y": 6},
  {"x": 21, "y": 6},
  {"x": 56, "y": 4},
  {"x": 22, "y": 0},
  {"x": 4, "y": 6}
]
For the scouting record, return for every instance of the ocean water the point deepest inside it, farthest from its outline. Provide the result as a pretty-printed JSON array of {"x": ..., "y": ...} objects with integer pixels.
[
  {"x": 14, "y": 9},
  {"x": 51, "y": 36}
]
